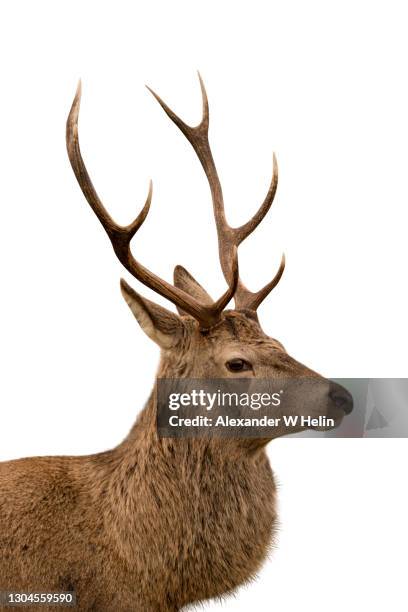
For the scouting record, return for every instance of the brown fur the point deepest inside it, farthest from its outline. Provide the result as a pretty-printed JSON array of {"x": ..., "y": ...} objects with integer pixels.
[{"x": 153, "y": 524}]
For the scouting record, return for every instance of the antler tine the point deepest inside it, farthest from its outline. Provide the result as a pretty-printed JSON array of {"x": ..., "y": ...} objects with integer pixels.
[
  {"x": 228, "y": 237},
  {"x": 84, "y": 180},
  {"x": 182, "y": 125},
  {"x": 251, "y": 300},
  {"x": 198, "y": 138},
  {"x": 247, "y": 228},
  {"x": 120, "y": 236}
]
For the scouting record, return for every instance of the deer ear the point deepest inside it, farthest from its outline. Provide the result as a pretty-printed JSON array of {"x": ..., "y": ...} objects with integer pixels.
[
  {"x": 162, "y": 326},
  {"x": 183, "y": 280}
]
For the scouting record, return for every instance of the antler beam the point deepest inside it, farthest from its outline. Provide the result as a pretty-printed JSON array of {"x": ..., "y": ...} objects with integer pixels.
[
  {"x": 229, "y": 238},
  {"x": 121, "y": 236}
]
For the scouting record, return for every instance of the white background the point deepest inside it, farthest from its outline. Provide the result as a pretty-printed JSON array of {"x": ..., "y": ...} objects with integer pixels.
[{"x": 321, "y": 83}]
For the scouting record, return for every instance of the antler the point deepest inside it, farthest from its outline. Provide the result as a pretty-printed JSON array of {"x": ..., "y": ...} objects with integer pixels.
[
  {"x": 121, "y": 236},
  {"x": 229, "y": 238}
]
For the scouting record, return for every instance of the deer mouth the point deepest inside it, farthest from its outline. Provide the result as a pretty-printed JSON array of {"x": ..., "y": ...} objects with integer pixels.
[
  {"x": 333, "y": 418},
  {"x": 339, "y": 404},
  {"x": 322, "y": 422}
]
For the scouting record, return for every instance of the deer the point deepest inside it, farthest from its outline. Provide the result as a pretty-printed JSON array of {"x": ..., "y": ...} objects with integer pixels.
[{"x": 158, "y": 523}]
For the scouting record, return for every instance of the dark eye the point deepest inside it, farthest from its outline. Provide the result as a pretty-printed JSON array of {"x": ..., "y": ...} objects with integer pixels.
[{"x": 238, "y": 365}]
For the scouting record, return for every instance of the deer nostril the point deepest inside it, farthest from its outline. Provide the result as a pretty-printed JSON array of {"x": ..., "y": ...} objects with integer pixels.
[{"x": 341, "y": 398}]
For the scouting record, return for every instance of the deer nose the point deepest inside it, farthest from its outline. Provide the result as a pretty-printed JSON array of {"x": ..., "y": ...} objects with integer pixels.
[{"x": 341, "y": 397}]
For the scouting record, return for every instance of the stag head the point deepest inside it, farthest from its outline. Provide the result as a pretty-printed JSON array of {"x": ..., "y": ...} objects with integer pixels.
[{"x": 203, "y": 340}]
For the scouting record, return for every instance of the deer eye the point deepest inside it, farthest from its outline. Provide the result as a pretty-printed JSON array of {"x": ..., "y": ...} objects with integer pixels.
[{"x": 238, "y": 365}]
